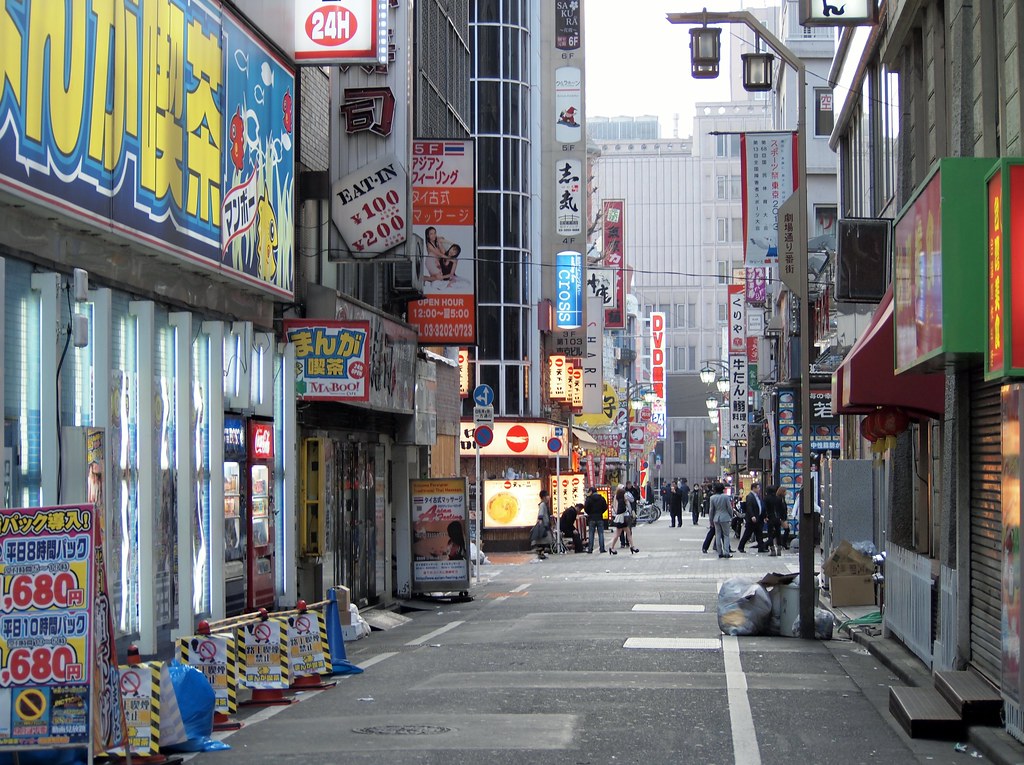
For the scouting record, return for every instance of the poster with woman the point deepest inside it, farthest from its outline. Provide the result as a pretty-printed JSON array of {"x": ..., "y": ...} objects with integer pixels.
[{"x": 440, "y": 548}]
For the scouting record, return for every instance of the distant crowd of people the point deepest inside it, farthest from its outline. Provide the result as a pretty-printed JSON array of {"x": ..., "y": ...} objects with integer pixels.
[{"x": 762, "y": 517}]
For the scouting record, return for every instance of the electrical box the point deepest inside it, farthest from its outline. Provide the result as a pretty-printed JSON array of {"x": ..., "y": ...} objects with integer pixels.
[{"x": 311, "y": 490}]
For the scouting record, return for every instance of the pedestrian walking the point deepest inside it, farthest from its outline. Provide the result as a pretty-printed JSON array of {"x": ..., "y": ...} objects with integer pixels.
[
  {"x": 696, "y": 500},
  {"x": 774, "y": 515},
  {"x": 753, "y": 513},
  {"x": 540, "y": 537},
  {"x": 675, "y": 506},
  {"x": 684, "y": 499},
  {"x": 721, "y": 514},
  {"x": 595, "y": 506},
  {"x": 621, "y": 521},
  {"x": 631, "y": 502}
]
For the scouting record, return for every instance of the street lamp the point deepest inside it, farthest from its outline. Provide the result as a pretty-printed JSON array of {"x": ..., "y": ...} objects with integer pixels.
[
  {"x": 800, "y": 232},
  {"x": 715, "y": 372}
]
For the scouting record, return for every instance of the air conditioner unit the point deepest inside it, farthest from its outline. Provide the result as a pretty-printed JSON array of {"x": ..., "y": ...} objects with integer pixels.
[{"x": 407, "y": 274}]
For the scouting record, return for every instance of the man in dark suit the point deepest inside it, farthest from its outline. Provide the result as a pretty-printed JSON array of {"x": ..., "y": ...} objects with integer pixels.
[
  {"x": 595, "y": 506},
  {"x": 753, "y": 514}
]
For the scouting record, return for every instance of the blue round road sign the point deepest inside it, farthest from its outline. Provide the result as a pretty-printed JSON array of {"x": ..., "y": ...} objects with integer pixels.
[
  {"x": 483, "y": 395},
  {"x": 483, "y": 435},
  {"x": 554, "y": 444}
]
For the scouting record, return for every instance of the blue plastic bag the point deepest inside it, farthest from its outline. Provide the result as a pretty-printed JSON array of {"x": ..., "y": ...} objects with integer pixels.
[{"x": 196, "y": 700}]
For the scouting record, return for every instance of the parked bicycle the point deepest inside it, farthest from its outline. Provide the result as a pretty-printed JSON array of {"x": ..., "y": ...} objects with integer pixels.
[{"x": 647, "y": 512}]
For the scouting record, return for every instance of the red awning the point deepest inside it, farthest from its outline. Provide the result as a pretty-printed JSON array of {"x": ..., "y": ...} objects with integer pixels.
[{"x": 866, "y": 379}]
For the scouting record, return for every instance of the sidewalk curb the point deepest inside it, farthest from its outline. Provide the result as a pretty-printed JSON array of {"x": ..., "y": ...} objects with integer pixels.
[{"x": 996, "y": 744}]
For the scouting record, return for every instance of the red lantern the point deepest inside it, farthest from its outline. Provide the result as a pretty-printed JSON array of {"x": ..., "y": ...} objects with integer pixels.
[
  {"x": 874, "y": 426},
  {"x": 865, "y": 430}
]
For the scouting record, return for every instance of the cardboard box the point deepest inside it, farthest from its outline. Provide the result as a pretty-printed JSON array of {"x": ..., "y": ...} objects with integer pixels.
[
  {"x": 344, "y": 598},
  {"x": 856, "y": 590},
  {"x": 846, "y": 561}
]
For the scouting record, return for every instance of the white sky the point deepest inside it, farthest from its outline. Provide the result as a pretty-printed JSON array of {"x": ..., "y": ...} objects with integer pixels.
[{"x": 638, "y": 63}]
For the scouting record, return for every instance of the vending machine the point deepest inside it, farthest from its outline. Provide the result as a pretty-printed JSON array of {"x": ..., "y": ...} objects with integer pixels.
[
  {"x": 260, "y": 530},
  {"x": 235, "y": 513}
]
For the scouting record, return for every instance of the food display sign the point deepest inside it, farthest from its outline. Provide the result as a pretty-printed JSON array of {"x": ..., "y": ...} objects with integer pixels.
[
  {"x": 511, "y": 503},
  {"x": 47, "y": 560}
]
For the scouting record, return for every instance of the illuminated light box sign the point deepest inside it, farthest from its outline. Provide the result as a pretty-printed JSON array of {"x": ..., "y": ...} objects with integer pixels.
[
  {"x": 568, "y": 290},
  {"x": 350, "y": 32},
  {"x": 1005, "y": 196},
  {"x": 512, "y": 439},
  {"x": 939, "y": 268}
]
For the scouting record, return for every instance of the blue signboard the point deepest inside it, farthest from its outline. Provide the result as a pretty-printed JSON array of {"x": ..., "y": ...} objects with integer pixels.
[
  {"x": 568, "y": 290},
  {"x": 115, "y": 112}
]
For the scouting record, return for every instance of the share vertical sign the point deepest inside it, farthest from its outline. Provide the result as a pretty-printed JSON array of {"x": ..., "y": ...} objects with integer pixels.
[{"x": 658, "y": 366}]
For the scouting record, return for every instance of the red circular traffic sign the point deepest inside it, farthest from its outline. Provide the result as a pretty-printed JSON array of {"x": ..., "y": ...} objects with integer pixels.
[{"x": 518, "y": 438}]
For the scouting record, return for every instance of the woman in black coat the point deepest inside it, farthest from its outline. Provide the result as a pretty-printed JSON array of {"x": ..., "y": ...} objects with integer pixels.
[{"x": 774, "y": 514}]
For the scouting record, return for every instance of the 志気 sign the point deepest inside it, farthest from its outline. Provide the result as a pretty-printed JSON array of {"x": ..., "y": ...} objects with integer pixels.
[
  {"x": 353, "y": 32},
  {"x": 440, "y": 548}
]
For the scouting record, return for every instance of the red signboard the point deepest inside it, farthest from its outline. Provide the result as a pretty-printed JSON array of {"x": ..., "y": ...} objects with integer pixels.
[
  {"x": 261, "y": 440},
  {"x": 996, "y": 356},
  {"x": 613, "y": 223},
  {"x": 443, "y": 209}
]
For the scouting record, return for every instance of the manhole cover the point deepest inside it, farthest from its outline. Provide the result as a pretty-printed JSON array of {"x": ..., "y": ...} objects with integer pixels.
[{"x": 403, "y": 730}]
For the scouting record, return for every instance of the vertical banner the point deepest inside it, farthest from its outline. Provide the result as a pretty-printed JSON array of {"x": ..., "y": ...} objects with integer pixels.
[
  {"x": 258, "y": 164},
  {"x": 658, "y": 409},
  {"x": 569, "y": 193},
  {"x": 1010, "y": 684},
  {"x": 558, "y": 378},
  {"x": 566, "y": 490},
  {"x": 464, "y": 383},
  {"x": 658, "y": 353},
  {"x": 440, "y": 551},
  {"x": 593, "y": 359},
  {"x": 738, "y": 396},
  {"x": 737, "y": 320},
  {"x": 568, "y": 104},
  {"x": 613, "y": 223},
  {"x": 443, "y": 210},
  {"x": 568, "y": 290},
  {"x": 768, "y": 171}
]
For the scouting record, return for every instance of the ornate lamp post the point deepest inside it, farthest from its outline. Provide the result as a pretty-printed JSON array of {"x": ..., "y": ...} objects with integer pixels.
[{"x": 800, "y": 233}]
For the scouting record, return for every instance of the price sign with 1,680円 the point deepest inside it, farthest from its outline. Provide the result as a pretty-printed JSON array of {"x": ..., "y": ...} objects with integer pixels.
[{"x": 46, "y": 592}]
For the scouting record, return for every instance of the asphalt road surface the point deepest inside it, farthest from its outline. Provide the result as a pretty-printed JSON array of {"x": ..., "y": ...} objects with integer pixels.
[{"x": 591, "y": 659}]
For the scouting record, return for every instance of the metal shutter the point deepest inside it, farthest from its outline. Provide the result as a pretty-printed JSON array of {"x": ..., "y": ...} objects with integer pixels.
[{"x": 986, "y": 526}]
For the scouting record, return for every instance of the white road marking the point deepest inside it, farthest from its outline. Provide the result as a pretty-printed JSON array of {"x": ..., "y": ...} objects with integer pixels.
[
  {"x": 668, "y": 608},
  {"x": 676, "y": 644},
  {"x": 431, "y": 635},
  {"x": 744, "y": 739},
  {"x": 520, "y": 588},
  {"x": 376, "y": 659}
]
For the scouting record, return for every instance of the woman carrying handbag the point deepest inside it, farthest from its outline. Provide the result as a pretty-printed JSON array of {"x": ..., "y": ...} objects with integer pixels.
[
  {"x": 622, "y": 520},
  {"x": 540, "y": 537}
]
